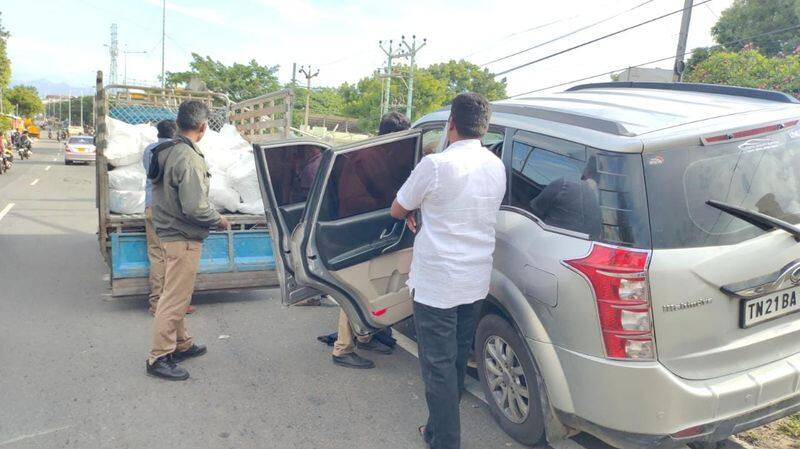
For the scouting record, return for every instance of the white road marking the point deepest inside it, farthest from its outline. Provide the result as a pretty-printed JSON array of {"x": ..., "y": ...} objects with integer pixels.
[
  {"x": 32, "y": 435},
  {"x": 47, "y": 168},
  {"x": 5, "y": 210},
  {"x": 34, "y": 182}
]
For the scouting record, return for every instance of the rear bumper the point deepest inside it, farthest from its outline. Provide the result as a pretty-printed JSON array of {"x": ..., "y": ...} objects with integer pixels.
[
  {"x": 79, "y": 157},
  {"x": 633, "y": 405}
]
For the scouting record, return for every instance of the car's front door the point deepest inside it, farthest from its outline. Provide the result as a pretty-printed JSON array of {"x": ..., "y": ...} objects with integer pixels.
[
  {"x": 352, "y": 248},
  {"x": 287, "y": 170}
]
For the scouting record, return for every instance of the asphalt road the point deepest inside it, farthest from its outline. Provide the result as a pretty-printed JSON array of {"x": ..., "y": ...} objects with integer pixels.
[{"x": 72, "y": 360}]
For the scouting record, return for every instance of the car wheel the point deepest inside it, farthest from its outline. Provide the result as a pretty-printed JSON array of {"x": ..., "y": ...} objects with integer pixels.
[
  {"x": 67, "y": 162},
  {"x": 509, "y": 380}
]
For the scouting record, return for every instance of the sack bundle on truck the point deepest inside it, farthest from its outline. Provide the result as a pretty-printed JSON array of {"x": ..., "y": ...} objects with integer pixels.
[{"x": 125, "y": 126}]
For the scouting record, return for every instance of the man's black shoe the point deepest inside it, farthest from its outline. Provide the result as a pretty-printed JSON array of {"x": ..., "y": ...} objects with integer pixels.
[
  {"x": 353, "y": 360},
  {"x": 374, "y": 346},
  {"x": 194, "y": 351},
  {"x": 166, "y": 368}
]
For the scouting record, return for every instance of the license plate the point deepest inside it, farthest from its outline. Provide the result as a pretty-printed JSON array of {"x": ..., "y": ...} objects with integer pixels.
[
  {"x": 765, "y": 308},
  {"x": 81, "y": 150}
]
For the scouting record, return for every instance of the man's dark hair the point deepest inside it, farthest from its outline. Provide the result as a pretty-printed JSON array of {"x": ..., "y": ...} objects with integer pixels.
[
  {"x": 391, "y": 122},
  {"x": 192, "y": 114},
  {"x": 166, "y": 129},
  {"x": 470, "y": 114}
]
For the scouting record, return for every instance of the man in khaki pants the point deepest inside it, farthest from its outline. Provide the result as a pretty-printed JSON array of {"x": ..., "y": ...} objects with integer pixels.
[
  {"x": 155, "y": 253},
  {"x": 182, "y": 217}
]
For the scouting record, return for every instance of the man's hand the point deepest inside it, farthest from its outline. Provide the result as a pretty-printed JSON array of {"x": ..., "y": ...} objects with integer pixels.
[
  {"x": 223, "y": 225},
  {"x": 411, "y": 222}
]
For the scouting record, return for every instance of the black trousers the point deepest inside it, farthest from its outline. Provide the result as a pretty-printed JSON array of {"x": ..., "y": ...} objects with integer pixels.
[{"x": 444, "y": 339}]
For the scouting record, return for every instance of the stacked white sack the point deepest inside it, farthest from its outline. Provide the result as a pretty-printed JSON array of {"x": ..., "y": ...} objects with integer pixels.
[
  {"x": 233, "y": 187},
  {"x": 242, "y": 176}
]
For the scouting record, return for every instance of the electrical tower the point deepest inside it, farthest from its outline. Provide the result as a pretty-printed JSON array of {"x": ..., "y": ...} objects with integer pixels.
[
  {"x": 113, "y": 51},
  {"x": 411, "y": 54}
]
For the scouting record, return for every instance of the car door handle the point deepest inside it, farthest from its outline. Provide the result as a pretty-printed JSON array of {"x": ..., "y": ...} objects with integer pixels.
[{"x": 386, "y": 232}]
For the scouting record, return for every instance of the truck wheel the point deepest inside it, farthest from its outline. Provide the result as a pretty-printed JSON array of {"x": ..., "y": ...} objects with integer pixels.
[{"x": 508, "y": 380}]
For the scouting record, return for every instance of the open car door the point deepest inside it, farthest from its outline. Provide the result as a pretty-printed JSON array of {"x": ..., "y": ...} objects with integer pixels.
[
  {"x": 286, "y": 172},
  {"x": 353, "y": 250}
]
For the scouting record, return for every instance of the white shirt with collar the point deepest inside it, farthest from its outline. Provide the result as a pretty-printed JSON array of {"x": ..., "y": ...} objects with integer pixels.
[{"x": 459, "y": 192}]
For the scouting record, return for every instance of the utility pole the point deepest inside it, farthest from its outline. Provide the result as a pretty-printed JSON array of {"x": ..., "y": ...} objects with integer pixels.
[
  {"x": 308, "y": 75},
  {"x": 390, "y": 55},
  {"x": 411, "y": 53},
  {"x": 684, "y": 34},
  {"x": 69, "y": 108},
  {"x": 113, "y": 51},
  {"x": 163, "y": 35},
  {"x": 294, "y": 74}
]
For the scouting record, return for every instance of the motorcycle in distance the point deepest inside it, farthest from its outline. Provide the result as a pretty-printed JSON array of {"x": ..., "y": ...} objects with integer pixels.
[
  {"x": 6, "y": 158},
  {"x": 24, "y": 147}
]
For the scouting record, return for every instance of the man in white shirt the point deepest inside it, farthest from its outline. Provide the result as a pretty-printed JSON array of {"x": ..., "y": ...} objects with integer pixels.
[{"x": 458, "y": 193}]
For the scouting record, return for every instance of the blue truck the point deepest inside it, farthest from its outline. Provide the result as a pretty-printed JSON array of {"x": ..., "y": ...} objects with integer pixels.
[{"x": 240, "y": 258}]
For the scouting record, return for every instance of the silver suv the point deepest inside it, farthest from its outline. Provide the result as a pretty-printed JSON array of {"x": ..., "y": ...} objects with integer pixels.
[{"x": 647, "y": 267}]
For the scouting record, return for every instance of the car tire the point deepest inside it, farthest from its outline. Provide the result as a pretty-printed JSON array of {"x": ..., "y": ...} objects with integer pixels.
[
  {"x": 527, "y": 428},
  {"x": 67, "y": 162}
]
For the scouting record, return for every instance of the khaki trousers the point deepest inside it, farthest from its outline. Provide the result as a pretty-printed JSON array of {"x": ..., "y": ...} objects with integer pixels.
[
  {"x": 157, "y": 263},
  {"x": 169, "y": 331},
  {"x": 345, "y": 344}
]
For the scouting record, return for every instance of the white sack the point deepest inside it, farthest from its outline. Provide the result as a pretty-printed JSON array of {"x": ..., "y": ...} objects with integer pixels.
[
  {"x": 147, "y": 135},
  {"x": 126, "y": 201},
  {"x": 130, "y": 177},
  {"x": 253, "y": 208},
  {"x": 243, "y": 179},
  {"x": 221, "y": 195}
]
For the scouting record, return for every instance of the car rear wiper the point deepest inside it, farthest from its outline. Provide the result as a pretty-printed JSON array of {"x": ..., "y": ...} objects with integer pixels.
[{"x": 762, "y": 221}]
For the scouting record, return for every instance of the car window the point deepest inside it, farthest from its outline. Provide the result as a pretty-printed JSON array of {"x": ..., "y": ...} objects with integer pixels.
[
  {"x": 292, "y": 171},
  {"x": 432, "y": 140},
  {"x": 81, "y": 141},
  {"x": 368, "y": 179},
  {"x": 565, "y": 193},
  {"x": 759, "y": 174}
]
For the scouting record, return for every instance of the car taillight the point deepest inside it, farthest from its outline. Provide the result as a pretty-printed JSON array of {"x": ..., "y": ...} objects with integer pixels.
[{"x": 618, "y": 277}]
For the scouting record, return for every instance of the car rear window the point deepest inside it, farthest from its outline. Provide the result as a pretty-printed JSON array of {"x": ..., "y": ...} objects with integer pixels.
[
  {"x": 761, "y": 174},
  {"x": 81, "y": 141}
]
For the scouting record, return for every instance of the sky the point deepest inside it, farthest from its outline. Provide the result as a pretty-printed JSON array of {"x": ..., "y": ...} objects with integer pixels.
[{"x": 67, "y": 40}]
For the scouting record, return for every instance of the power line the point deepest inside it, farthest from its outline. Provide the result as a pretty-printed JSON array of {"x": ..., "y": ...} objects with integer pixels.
[
  {"x": 768, "y": 33},
  {"x": 517, "y": 33},
  {"x": 606, "y": 36},
  {"x": 565, "y": 35}
]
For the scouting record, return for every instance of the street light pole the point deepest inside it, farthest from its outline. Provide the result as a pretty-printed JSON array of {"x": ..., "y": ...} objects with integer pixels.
[
  {"x": 125, "y": 54},
  {"x": 69, "y": 108}
]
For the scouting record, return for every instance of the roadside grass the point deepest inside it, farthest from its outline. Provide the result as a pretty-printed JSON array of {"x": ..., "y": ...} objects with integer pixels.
[{"x": 791, "y": 426}]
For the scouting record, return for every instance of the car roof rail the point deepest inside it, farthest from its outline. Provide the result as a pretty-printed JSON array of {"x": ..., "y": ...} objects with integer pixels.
[{"x": 770, "y": 95}]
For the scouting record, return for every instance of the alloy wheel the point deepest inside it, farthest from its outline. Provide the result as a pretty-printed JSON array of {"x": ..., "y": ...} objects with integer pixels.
[{"x": 506, "y": 379}]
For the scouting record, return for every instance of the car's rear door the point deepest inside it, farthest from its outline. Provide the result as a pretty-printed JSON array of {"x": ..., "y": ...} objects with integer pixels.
[
  {"x": 286, "y": 171},
  {"x": 352, "y": 248}
]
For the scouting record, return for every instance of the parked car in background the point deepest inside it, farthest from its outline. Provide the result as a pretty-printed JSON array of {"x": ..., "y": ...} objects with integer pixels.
[
  {"x": 79, "y": 149},
  {"x": 647, "y": 269}
]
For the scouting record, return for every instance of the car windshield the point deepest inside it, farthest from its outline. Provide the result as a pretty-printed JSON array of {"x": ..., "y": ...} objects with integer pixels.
[
  {"x": 760, "y": 174},
  {"x": 80, "y": 141}
]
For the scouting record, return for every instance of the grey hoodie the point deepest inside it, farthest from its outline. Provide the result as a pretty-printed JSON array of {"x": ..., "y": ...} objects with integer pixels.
[{"x": 180, "y": 206}]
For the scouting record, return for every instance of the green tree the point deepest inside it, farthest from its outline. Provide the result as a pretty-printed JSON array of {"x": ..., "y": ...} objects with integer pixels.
[
  {"x": 5, "y": 67},
  {"x": 25, "y": 99},
  {"x": 747, "y": 18},
  {"x": 749, "y": 68},
  {"x": 238, "y": 81},
  {"x": 462, "y": 76}
]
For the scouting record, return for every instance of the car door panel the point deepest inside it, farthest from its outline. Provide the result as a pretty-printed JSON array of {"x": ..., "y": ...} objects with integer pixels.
[
  {"x": 286, "y": 171},
  {"x": 353, "y": 240},
  {"x": 352, "y": 247}
]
